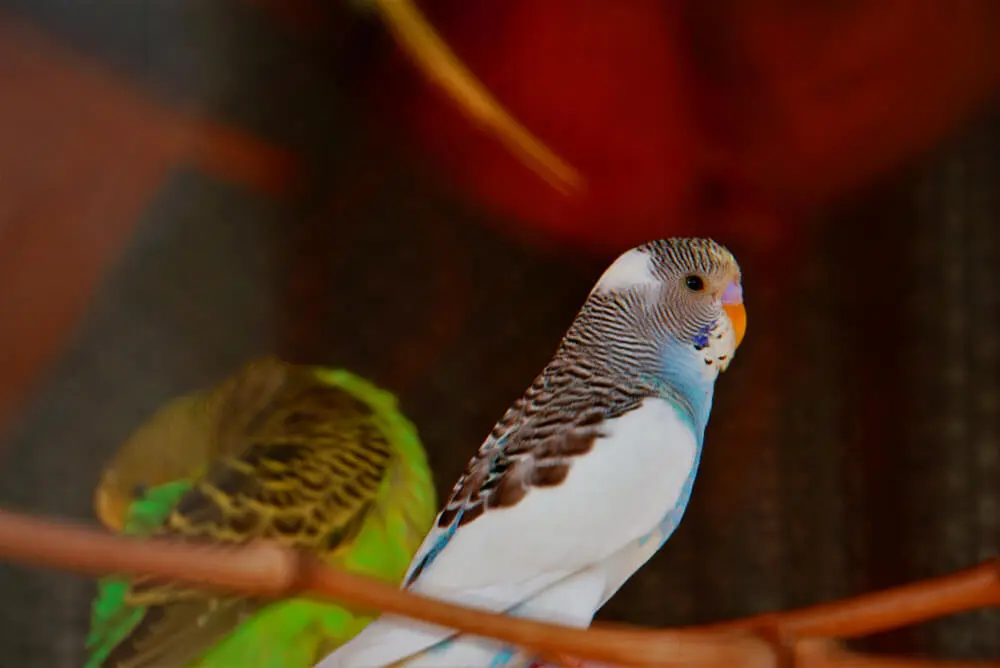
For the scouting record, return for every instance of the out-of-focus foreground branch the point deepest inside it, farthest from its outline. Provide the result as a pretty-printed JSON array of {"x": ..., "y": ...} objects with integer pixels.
[
  {"x": 435, "y": 59},
  {"x": 788, "y": 638}
]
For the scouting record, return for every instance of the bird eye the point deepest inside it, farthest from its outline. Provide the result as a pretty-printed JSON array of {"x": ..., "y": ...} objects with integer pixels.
[
  {"x": 694, "y": 283},
  {"x": 139, "y": 491}
]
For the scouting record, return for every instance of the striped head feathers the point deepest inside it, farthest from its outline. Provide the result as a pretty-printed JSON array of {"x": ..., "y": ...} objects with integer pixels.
[{"x": 687, "y": 290}]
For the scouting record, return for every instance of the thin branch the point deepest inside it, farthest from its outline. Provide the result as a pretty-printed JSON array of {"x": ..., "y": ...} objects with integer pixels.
[
  {"x": 271, "y": 571},
  {"x": 259, "y": 570},
  {"x": 976, "y": 587},
  {"x": 435, "y": 59},
  {"x": 829, "y": 654},
  {"x": 240, "y": 157}
]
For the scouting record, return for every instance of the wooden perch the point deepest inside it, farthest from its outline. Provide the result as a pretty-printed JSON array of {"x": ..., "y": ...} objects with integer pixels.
[{"x": 270, "y": 571}]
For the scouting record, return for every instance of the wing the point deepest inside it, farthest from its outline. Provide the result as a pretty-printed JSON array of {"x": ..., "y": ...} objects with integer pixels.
[
  {"x": 181, "y": 438},
  {"x": 112, "y": 619},
  {"x": 312, "y": 466},
  {"x": 568, "y": 478}
]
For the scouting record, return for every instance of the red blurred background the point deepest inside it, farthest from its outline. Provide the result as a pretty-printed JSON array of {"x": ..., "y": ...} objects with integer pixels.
[
  {"x": 733, "y": 118},
  {"x": 755, "y": 111}
]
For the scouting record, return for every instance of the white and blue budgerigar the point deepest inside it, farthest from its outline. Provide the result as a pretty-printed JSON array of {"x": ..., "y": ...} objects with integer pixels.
[{"x": 589, "y": 472}]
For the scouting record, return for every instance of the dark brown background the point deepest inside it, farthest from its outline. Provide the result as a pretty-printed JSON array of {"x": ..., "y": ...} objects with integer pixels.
[{"x": 853, "y": 444}]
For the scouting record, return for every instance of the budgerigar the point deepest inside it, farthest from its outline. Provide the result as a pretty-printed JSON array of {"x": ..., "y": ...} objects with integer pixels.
[
  {"x": 314, "y": 458},
  {"x": 588, "y": 473}
]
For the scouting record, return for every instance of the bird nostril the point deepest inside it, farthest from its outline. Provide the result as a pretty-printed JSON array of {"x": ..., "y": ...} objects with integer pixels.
[{"x": 733, "y": 294}]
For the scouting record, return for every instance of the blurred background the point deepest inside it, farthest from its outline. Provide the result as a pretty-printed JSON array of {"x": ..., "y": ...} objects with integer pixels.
[{"x": 185, "y": 185}]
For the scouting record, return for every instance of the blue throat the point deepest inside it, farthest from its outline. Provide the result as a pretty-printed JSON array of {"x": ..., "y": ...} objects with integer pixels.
[
  {"x": 691, "y": 394},
  {"x": 679, "y": 377}
]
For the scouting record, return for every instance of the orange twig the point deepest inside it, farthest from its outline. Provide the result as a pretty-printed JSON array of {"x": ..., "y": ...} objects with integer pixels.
[
  {"x": 271, "y": 571},
  {"x": 434, "y": 58},
  {"x": 828, "y": 654},
  {"x": 268, "y": 570},
  {"x": 977, "y": 587},
  {"x": 240, "y": 157}
]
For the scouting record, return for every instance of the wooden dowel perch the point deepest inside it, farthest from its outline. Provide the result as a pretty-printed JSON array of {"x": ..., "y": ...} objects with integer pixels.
[{"x": 271, "y": 571}]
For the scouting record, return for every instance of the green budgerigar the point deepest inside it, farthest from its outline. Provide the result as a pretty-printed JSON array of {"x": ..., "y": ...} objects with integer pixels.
[{"x": 314, "y": 458}]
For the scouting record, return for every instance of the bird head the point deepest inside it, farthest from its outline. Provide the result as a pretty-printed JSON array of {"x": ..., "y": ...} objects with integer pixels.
[
  {"x": 688, "y": 291},
  {"x": 173, "y": 444}
]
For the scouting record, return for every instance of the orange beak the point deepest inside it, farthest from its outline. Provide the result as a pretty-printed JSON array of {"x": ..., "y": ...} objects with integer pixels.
[{"x": 732, "y": 304}]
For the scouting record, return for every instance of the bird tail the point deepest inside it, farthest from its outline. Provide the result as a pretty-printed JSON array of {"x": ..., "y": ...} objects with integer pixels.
[
  {"x": 387, "y": 641},
  {"x": 393, "y": 643},
  {"x": 396, "y": 641}
]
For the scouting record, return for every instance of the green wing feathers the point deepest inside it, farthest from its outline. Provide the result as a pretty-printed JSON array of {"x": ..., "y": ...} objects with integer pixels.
[
  {"x": 320, "y": 460},
  {"x": 408, "y": 504},
  {"x": 111, "y": 618}
]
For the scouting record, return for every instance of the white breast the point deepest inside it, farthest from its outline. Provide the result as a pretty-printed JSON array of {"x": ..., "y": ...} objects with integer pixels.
[
  {"x": 614, "y": 494},
  {"x": 569, "y": 537}
]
